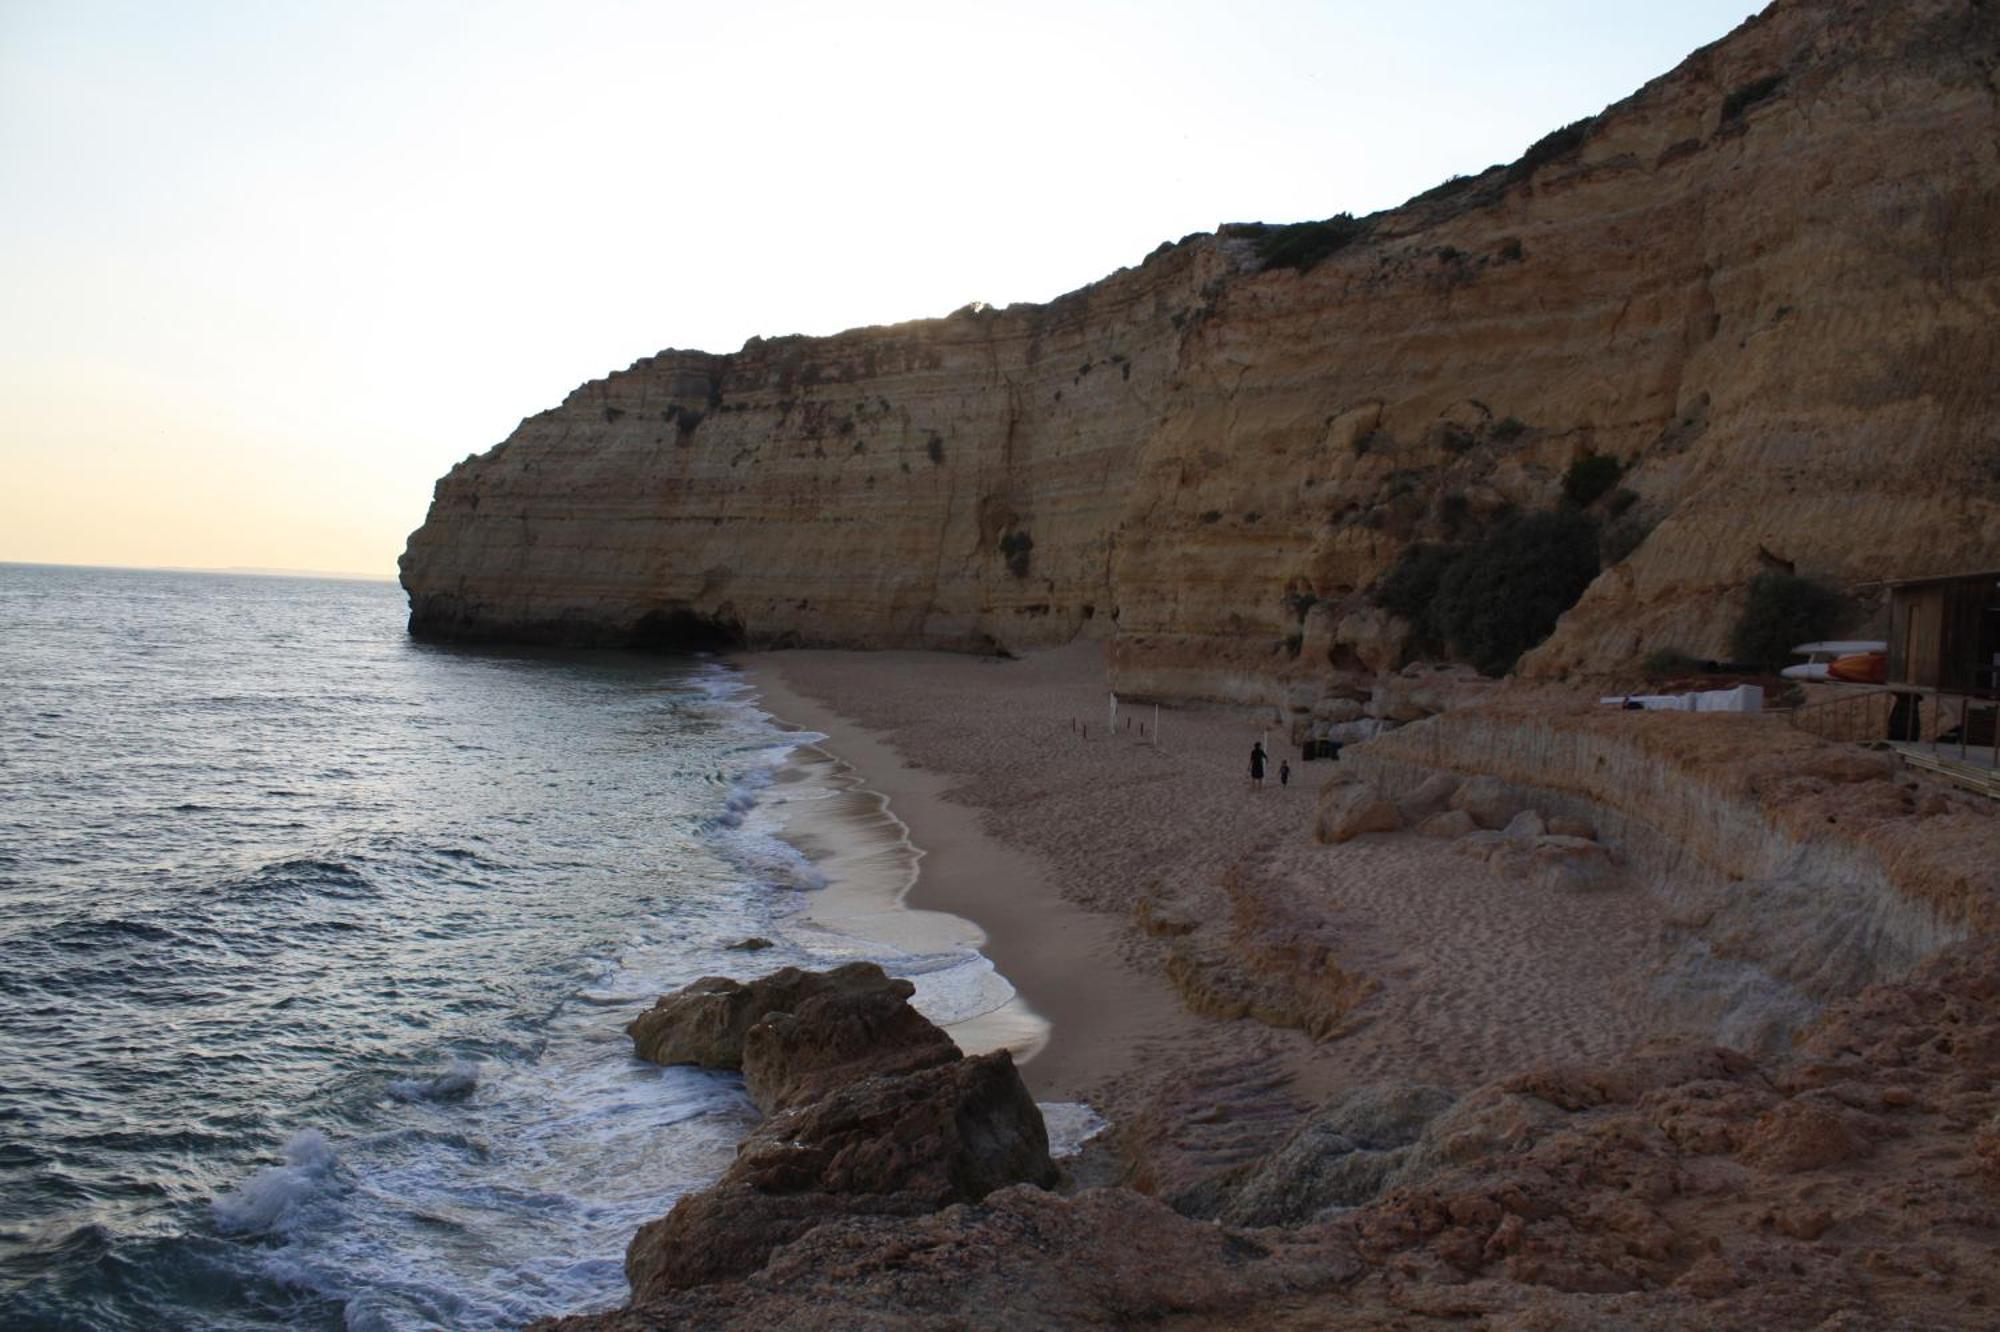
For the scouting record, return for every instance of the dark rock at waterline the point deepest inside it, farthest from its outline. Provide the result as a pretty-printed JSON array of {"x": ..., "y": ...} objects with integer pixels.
[
  {"x": 704, "y": 1023},
  {"x": 839, "y": 1037},
  {"x": 903, "y": 1145},
  {"x": 875, "y": 1112},
  {"x": 756, "y": 943}
]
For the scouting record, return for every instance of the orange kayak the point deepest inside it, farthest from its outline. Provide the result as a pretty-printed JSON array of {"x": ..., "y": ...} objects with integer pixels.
[{"x": 1861, "y": 668}]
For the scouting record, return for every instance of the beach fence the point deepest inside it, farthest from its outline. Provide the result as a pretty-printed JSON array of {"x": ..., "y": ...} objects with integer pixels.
[{"x": 1150, "y": 738}]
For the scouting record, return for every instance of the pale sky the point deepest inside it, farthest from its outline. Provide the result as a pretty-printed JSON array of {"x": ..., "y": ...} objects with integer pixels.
[{"x": 268, "y": 269}]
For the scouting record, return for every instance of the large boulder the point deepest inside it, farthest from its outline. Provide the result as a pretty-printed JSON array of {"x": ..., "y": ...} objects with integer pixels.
[
  {"x": 883, "y": 1146},
  {"x": 1569, "y": 864},
  {"x": 1451, "y": 823},
  {"x": 1431, "y": 796},
  {"x": 1488, "y": 801},
  {"x": 704, "y": 1023},
  {"x": 836, "y": 1037},
  {"x": 1349, "y": 809}
]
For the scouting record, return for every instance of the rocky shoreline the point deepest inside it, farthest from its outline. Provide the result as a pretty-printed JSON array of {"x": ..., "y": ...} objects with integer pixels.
[
  {"x": 871, "y": 1111},
  {"x": 1854, "y": 1183},
  {"x": 1269, "y": 1169}
]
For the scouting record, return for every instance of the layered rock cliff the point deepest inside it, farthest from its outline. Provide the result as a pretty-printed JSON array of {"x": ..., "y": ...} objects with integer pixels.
[{"x": 1767, "y": 283}]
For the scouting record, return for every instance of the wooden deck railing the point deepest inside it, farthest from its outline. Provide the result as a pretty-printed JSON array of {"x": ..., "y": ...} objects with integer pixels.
[{"x": 1856, "y": 718}]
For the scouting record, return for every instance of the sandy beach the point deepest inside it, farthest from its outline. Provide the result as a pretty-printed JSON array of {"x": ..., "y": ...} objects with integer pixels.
[{"x": 1084, "y": 863}]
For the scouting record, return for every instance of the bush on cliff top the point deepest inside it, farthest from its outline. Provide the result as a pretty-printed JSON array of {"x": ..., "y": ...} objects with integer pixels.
[{"x": 1304, "y": 244}]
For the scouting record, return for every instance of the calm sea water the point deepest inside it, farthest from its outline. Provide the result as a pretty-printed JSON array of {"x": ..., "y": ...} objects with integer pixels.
[{"x": 316, "y": 945}]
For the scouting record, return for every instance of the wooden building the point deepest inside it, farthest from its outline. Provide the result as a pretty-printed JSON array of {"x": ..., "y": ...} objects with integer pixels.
[
  {"x": 1944, "y": 633},
  {"x": 1944, "y": 673}
]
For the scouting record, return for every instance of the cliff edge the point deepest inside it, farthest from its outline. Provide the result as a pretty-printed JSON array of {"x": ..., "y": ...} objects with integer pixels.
[{"x": 1766, "y": 284}]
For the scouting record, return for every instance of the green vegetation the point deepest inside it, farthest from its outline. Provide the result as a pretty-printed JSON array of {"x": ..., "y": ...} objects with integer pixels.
[
  {"x": 1666, "y": 663},
  {"x": 1589, "y": 477},
  {"x": 1304, "y": 244},
  {"x": 1455, "y": 438},
  {"x": 1553, "y": 146},
  {"x": 1410, "y": 590},
  {"x": 1783, "y": 610},
  {"x": 1489, "y": 601}
]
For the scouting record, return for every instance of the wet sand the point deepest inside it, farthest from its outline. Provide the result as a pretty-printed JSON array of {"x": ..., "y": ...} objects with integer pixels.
[{"x": 1084, "y": 1015}]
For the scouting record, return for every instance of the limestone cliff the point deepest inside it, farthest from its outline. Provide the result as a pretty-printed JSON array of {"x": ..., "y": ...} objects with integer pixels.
[{"x": 1767, "y": 283}]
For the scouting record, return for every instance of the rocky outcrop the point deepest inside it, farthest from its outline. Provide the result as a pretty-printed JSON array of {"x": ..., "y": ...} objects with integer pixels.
[
  {"x": 873, "y": 1112},
  {"x": 706, "y": 1022},
  {"x": 1765, "y": 284},
  {"x": 1343, "y": 1155},
  {"x": 1849, "y": 1184},
  {"x": 883, "y": 1146},
  {"x": 841, "y": 1036}
]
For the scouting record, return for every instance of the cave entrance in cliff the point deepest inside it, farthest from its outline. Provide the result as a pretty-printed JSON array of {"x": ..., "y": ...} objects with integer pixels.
[{"x": 680, "y": 629}]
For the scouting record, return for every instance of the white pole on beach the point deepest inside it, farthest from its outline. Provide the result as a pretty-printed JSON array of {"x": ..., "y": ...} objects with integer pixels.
[
  {"x": 1156, "y": 726},
  {"x": 1114, "y": 714}
]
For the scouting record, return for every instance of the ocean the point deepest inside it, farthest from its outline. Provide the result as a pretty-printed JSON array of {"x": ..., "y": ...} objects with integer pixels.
[{"x": 317, "y": 944}]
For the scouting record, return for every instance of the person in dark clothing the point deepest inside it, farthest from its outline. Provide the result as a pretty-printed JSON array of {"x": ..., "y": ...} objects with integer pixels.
[
  {"x": 1285, "y": 773},
  {"x": 1257, "y": 766}
]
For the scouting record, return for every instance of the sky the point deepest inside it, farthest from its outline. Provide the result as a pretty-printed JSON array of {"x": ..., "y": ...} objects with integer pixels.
[{"x": 268, "y": 269}]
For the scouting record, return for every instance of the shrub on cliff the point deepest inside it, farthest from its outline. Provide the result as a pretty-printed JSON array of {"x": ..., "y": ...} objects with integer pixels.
[
  {"x": 1783, "y": 610},
  {"x": 1589, "y": 477},
  {"x": 1304, "y": 244},
  {"x": 1489, "y": 601},
  {"x": 1505, "y": 594},
  {"x": 1410, "y": 590},
  {"x": 1552, "y": 147}
]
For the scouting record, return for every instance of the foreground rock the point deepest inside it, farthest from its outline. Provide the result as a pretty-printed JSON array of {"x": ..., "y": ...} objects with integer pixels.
[
  {"x": 704, "y": 1023},
  {"x": 1855, "y": 1184},
  {"x": 883, "y": 1146},
  {"x": 874, "y": 1112},
  {"x": 1348, "y": 809},
  {"x": 840, "y": 1036}
]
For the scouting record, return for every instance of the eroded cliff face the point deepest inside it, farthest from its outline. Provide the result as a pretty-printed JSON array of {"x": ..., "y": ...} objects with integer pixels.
[{"x": 1767, "y": 283}]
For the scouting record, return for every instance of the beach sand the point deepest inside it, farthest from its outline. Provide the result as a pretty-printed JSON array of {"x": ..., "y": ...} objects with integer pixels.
[{"x": 1047, "y": 842}]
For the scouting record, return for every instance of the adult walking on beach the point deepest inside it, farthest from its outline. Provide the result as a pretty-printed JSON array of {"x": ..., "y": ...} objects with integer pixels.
[{"x": 1257, "y": 766}]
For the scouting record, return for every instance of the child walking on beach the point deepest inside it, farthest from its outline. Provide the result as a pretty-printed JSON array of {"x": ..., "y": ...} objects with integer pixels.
[{"x": 1285, "y": 772}]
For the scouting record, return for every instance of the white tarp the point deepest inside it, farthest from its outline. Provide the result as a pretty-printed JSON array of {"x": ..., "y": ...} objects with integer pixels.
[{"x": 1743, "y": 698}]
